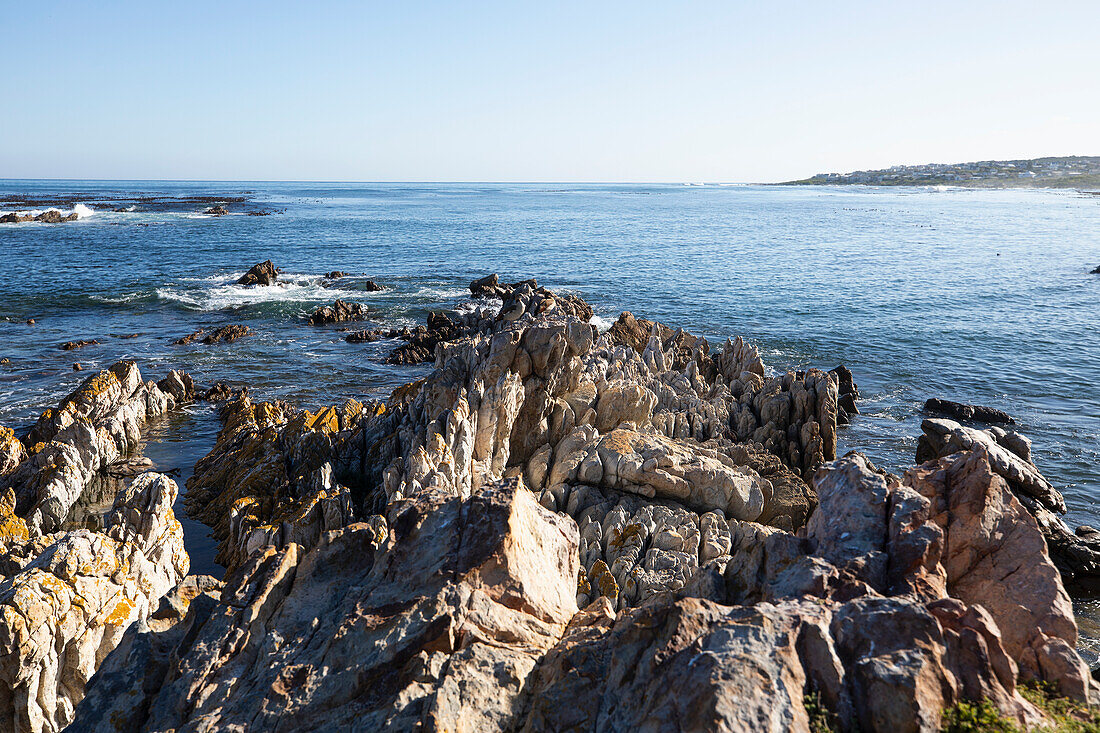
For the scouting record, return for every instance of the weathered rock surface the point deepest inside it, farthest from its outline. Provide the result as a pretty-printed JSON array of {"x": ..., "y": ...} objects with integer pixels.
[
  {"x": 994, "y": 555},
  {"x": 69, "y": 597},
  {"x": 1076, "y": 554},
  {"x": 216, "y": 211},
  {"x": 960, "y": 411},
  {"x": 225, "y": 334},
  {"x": 435, "y": 618},
  {"x": 71, "y": 445},
  {"x": 338, "y": 312},
  {"x": 263, "y": 273}
]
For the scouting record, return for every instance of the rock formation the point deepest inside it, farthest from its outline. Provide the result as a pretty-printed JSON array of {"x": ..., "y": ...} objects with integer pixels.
[
  {"x": 224, "y": 334},
  {"x": 71, "y": 445},
  {"x": 1076, "y": 554},
  {"x": 216, "y": 211},
  {"x": 338, "y": 312},
  {"x": 67, "y": 598},
  {"x": 70, "y": 345},
  {"x": 263, "y": 273},
  {"x": 421, "y": 563},
  {"x": 960, "y": 411}
]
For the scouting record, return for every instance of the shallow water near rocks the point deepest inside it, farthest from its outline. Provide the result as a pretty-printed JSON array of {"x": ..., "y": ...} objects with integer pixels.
[{"x": 977, "y": 296}]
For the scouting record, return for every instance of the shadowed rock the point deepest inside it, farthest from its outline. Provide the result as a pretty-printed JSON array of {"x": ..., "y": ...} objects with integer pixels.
[{"x": 264, "y": 273}]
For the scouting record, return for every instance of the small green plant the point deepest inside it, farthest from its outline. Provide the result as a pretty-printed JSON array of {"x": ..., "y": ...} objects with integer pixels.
[
  {"x": 980, "y": 717},
  {"x": 1063, "y": 715},
  {"x": 822, "y": 720},
  {"x": 1066, "y": 716}
]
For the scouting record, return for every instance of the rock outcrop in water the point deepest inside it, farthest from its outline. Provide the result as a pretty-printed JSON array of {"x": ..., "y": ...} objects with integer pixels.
[
  {"x": 562, "y": 530},
  {"x": 960, "y": 411},
  {"x": 222, "y": 335},
  {"x": 338, "y": 312},
  {"x": 263, "y": 273},
  {"x": 50, "y": 216}
]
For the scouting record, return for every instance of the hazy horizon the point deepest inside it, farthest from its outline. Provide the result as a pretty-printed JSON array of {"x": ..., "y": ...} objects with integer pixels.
[{"x": 493, "y": 93}]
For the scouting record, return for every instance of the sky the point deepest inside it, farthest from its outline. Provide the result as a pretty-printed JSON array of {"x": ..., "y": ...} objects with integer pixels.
[{"x": 539, "y": 91}]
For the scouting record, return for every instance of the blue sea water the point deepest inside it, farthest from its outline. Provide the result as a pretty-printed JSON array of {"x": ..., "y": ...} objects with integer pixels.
[{"x": 978, "y": 296}]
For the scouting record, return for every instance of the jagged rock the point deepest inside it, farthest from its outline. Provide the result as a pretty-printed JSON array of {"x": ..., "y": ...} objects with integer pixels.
[
  {"x": 338, "y": 312},
  {"x": 878, "y": 664},
  {"x": 12, "y": 452},
  {"x": 335, "y": 274},
  {"x": 225, "y": 334},
  {"x": 372, "y": 287},
  {"x": 943, "y": 437},
  {"x": 216, "y": 211},
  {"x": 219, "y": 392},
  {"x": 70, "y": 345},
  {"x": 268, "y": 479},
  {"x": 847, "y": 394},
  {"x": 436, "y": 623},
  {"x": 987, "y": 536},
  {"x": 1096, "y": 271},
  {"x": 72, "y": 444},
  {"x": 53, "y": 216},
  {"x": 662, "y": 460},
  {"x": 68, "y": 607},
  {"x": 264, "y": 273},
  {"x": 960, "y": 411}
]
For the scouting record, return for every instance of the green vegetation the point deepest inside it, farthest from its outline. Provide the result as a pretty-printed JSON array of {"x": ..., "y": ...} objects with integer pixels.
[
  {"x": 821, "y": 719},
  {"x": 1064, "y": 715},
  {"x": 1080, "y": 172}
]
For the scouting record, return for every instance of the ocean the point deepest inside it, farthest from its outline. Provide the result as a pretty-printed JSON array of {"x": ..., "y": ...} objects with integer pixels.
[{"x": 972, "y": 295}]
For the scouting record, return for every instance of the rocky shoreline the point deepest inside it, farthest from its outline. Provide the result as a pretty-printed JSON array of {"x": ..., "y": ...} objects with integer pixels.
[{"x": 556, "y": 529}]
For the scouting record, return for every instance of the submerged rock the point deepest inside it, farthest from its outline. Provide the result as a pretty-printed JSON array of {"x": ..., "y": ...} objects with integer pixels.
[{"x": 264, "y": 273}]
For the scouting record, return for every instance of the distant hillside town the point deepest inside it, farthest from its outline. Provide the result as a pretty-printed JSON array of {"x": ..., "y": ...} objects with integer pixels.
[{"x": 1077, "y": 171}]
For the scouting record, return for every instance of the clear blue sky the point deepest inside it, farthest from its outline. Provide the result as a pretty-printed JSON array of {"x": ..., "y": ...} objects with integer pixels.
[{"x": 546, "y": 91}]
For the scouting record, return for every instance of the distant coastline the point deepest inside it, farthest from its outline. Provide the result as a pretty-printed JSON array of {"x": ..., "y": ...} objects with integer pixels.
[{"x": 1074, "y": 172}]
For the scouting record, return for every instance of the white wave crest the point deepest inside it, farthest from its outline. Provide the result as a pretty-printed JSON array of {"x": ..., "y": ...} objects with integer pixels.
[
  {"x": 224, "y": 292},
  {"x": 601, "y": 324},
  {"x": 83, "y": 212}
]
